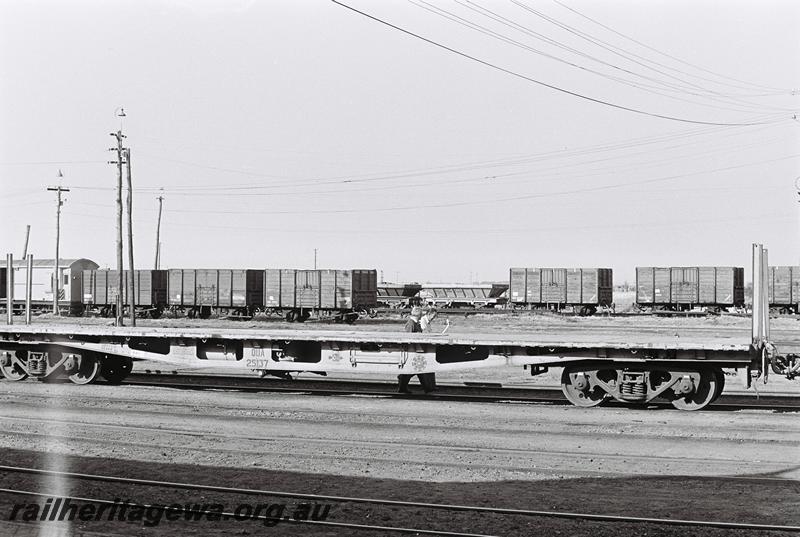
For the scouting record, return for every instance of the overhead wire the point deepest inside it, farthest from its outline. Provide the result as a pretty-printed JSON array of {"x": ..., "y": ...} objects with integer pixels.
[
  {"x": 658, "y": 89},
  {"x": 536, "y": 81},
  {"x": 483, "y": 201},
  {"x": 675, "y": 58},
  {"x": 633, "y": 57}
]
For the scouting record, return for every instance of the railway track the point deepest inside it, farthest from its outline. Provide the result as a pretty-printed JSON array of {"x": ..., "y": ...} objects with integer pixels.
[
  {"x": 475, "y": 393},
  {"x": 72, "y": 477}
]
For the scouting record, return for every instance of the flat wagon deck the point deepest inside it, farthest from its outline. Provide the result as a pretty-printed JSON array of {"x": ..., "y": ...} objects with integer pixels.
[{"x": 687, "y": 371}]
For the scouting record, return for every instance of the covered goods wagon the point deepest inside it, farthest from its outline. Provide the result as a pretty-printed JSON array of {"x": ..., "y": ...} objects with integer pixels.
[
  {"x": 681, "y": 288},
  {"x": 584, "y": 289}
]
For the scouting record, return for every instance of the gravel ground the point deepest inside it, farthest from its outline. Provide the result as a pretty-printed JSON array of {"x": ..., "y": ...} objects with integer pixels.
[{"x": 732, "y": 466}]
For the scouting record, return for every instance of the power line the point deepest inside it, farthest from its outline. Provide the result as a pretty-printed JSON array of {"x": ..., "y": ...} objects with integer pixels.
[
  {"x": 686, "y": 139},
  {"x": 535, "y": 81},
  {"x": 713, "y": 95},
  {"x": 658, "y": 89},
  {"x": 612, "y": 30},
  {"x": 484, "y": 201}
]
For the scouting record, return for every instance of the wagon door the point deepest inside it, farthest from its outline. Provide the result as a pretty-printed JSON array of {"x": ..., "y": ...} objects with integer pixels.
[
  {"x": 533, "y": 290},
  {"x": 707, "y": 285},
  {"x": 308, "y": 288},
  {"x": 554, "y": 285},
  {"x": 575, "y": 287},
  {"x": 206, "y": 287},
  {"x": 272, "y": 288},
  {"x": 327, "y": 289},
  {"x": 590, "y": 283},
  {"x": 684, "y": 285},
  {"x": 288, "y": 288},
  {"x": 347, "y": 288},
  {"x": 726, "y": 284}
]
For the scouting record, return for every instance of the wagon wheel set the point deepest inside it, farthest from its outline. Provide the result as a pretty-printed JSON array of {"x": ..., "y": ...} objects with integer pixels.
[
  {"x": 52, "y": 364},
  {"x": 687, "y": 388}
]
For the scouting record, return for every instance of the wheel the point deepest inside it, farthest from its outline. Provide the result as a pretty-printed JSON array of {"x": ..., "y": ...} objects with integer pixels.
[
  {"x": 88, "y": 369},
  {"x": 720, "y": 376},
  {"x": 704, "y": 393},
  {"x": 291, "y": 316},
  {"x": 576, "y": 385},
  {"x": 155, "y": 313},
  {"x": 11, "y": 369},
  {"x": 115, "y": 368}
]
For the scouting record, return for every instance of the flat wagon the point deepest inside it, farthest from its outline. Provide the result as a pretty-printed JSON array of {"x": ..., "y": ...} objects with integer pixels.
[
  {"x": 201, "y": 292},
  {"x": 582, "y": 289},
  {"x": 683, "y": 288},
  {"x": 101, "y": 287},
  {"x": 298, "y": 294}
]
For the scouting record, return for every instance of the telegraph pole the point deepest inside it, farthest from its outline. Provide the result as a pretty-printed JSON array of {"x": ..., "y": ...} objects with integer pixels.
[
  {"x": 120, "y": 290},
  {"x": 56, "y": 276},
  {"x": 131, "y": 278},
  {"x": 315, "y": 259},
  {"x": 27, "y": 236},
  {"x": 158, "y": 233},
  {"x": 797, "y": 188}
]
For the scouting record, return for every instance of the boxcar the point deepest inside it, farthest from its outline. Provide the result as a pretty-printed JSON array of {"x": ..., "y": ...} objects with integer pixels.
[
  {"x": 298, "y": 294},
  {"x": 101, "y": 287},
  {"x": 582, "y": 289},
  {"x": 199, "y": 292},
  {"x": 784, "y": 288},
  {"x": 682, "y": 288}
]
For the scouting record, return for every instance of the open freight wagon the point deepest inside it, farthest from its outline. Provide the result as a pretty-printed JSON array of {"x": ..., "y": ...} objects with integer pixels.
[
  {"x": 784, "y": 289},
  {"x": 684, "y": 288},
  {"x": 101, "y": 288},
  {"x": 584, "y": 290},
  {"x": 398, "y": 295},
  {"x": 201, "y": 292},
  {"x": 299, "y": 294}
]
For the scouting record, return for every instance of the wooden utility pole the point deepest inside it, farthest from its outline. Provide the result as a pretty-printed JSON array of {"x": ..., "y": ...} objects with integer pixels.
[
  {"x": 120, "y": 290},
  {"x": 158, "y": 234},
  {"x": 56, "y": 276},
  {"x": 27, "y": 236},
  {"x": 131, "y": 278}
]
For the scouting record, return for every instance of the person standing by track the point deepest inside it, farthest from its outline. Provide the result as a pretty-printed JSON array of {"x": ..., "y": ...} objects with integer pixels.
[{"x": 418, "y": 321}]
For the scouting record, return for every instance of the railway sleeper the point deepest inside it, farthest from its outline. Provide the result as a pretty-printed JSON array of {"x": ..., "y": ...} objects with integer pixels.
[
  {"x": 51, "y": 363},
  {"x": 687, "y": 387}
]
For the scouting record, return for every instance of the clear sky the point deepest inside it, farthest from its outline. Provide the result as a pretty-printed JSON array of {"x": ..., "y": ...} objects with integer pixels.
[{"x": 547, "y": 133}]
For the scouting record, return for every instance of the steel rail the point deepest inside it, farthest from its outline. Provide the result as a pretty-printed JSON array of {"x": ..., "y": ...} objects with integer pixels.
[
  {"x": 233, "y": 516},
  {"x": 402, "y": 503},
  {"x": 463, "y": 398}
]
